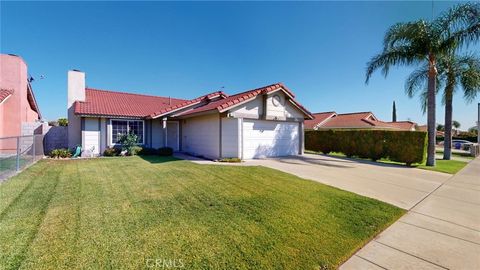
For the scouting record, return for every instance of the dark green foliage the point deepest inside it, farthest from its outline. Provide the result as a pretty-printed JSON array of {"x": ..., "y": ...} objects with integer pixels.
[
  {"x": 394, "y": 113},
  {"x": 147, "y": 151},
  {"x": 400, "y": 146},
  {"x": 60, "y": 153},
  {"x": 230, "y": 160},
  {"x": 63, "y": 122},
  {"x": 111, "y": 152},
  {"x": 129, "y": 143},
  {"x": 165, "y": 151}
]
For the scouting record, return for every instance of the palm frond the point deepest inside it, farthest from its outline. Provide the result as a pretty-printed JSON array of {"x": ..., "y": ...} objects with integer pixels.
[
  {"x": 396, "y": 56},
  {"x": 423, "y": 100},
  {"x": 405, "y": 34},
  {"x": 416, "y": 81},
  {"x": 459, "y": 26}
]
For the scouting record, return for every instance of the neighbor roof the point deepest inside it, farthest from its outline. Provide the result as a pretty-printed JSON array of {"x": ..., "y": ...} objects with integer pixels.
[
  {"x": 350, "y": 120},
  {"x": 4, "y": 94},
  {"x": 120, "y": 104},
  {"x": 332, "y": 120},
  {"x": 319, "y": 118},
  {"x": 406, "y": 125}
]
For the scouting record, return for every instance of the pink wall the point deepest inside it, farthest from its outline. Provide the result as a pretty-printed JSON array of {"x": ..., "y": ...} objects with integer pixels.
[{"x": 16, "y": 109}]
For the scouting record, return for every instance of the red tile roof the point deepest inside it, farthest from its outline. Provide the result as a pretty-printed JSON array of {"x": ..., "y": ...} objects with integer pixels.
[
  {"x": 350, "y": 120},
  {"x": 120, "y": 104},
  {"x": 404, "y": 125},
  {"x": 331, "y": 120},
  {"x": 228, "y": 102},
  {"x": 318, "y": 119},
  {"x": 189, "y": 102},
  {"x": 4, "y": 94}
]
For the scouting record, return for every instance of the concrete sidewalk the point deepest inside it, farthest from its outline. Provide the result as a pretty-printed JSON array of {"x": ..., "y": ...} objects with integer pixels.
[{"x": 440, "y": 232}]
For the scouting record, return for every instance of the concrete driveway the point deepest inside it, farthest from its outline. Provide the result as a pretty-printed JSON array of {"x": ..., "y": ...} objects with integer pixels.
[
  {"x": 397, "y": 185},
  {"x": 441, "y": 232}
]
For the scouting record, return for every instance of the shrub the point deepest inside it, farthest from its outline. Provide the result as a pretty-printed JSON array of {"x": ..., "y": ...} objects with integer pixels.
[
  {"x": 129, "y": 144},
  {"x": 135, "y": 150},
  {"x": 165, "y": 151},
  {"x": 402, "y": 146},
  {"x": 147, "y": 151},
  {"x": 230, "y": 160},
  {"x": 111, "y": 152},
  {"x": 60, "y": 153},
  {"x": 63, "y": 122}
]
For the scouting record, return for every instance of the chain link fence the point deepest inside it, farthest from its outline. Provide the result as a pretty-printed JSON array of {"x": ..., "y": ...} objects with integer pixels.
[{"x": 17, "y": 153}]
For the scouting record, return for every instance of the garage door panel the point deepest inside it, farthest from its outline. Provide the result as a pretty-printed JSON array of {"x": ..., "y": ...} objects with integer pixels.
[{"x": 270, "y": 138}]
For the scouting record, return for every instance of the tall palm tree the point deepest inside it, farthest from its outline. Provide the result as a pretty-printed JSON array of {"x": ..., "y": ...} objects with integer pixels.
[
  {"x": 415, "y": 42},
  {"x": 453, "y": 72}
]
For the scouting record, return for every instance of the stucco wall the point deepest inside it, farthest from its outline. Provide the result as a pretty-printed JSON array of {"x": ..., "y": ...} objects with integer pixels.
[
  {"x": 55, "y": 138},
  {"x": 16, "y": 109},
  {"x": 254, "y": 109},
  {"x": 283, "y": 110},
  {"x": 200, "y": 135},
  {"x": 158, "y": 138},
  {"x": 231, "y": 139},
  {"x": 251, "y": 109}
]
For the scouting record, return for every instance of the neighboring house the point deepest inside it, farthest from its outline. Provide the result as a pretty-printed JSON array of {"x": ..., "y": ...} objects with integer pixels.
[
  {"x": 358, "y": 120},
  {"x": 262, "y": 122},
  {"x": 18, "y": 108},
  {"x": 425, "y": 128}
]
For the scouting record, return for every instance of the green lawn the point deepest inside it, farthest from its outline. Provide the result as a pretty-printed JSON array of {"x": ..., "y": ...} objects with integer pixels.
[
  {"x": 444, "y": 166},
  {"x": 122, "y": 213},
  {"x": 457, "y": 154}
]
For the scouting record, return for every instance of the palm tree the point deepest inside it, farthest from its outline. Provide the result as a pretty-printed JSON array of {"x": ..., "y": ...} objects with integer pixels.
[
  {"x": 456, "y": 124},
  {"x": 453, "y": 72},
  {"x": 415, "y": 42}
]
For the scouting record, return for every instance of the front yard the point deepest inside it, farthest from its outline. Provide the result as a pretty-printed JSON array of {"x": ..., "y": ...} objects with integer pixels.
[{"x": 130, "y": 213}]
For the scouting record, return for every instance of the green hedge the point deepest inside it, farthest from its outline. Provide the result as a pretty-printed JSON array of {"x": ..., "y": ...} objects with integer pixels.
[{"x": 401, "y": 146}]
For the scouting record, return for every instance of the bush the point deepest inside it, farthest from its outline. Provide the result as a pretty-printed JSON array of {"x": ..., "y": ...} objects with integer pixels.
[
  {"x": 60, "y": 153},
  {"x": 111, "y": 152},
  {"x": 230, "y": 160},
  {"x": 135, "y": 150},
  {"x": 165, "y": 151},
  {"x": 401, "y": 146},
  {"x": 129, "y": 144},
  {"x": 63, "y": 122},
  {"x": 147, "y": 151}
]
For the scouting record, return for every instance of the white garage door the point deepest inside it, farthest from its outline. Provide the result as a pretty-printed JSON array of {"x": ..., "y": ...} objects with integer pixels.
[{"x": 269, "y": 139}]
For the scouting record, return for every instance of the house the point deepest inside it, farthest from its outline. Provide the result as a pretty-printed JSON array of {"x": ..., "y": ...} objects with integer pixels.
[
  {"x": 19, "y": 111},
  {"x": 262, "y": 122},
  {"x": 357, "y": 120}
]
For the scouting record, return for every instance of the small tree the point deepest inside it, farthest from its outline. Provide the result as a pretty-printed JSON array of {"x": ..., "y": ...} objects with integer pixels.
[
  {"x": 63, "y": 122},
  {"x": 129, "y": 143},
  {"x": 394, "y": 112},
  {"x": 440, "y": 127}
]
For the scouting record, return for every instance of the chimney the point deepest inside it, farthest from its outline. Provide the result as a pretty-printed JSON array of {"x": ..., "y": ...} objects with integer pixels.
[{"x": 76, "y": 92}]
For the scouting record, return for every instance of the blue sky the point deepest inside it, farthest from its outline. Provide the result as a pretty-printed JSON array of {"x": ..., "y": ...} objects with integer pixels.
[{"x": 185, "y": 49}]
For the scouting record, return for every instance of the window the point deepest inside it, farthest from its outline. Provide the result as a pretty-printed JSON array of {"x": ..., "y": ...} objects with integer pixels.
[{"x": 123, "y": 127}]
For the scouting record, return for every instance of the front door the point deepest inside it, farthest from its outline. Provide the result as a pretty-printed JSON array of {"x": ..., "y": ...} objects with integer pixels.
[{"x": 172, "y": 135}]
